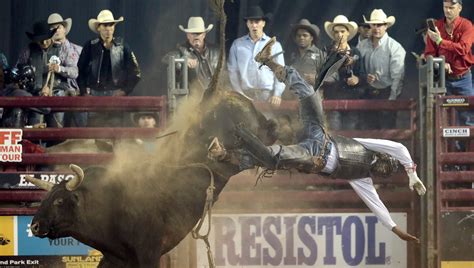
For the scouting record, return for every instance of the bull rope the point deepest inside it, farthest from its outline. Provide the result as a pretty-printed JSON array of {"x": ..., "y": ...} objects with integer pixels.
[{"x": 207, "y": 210}]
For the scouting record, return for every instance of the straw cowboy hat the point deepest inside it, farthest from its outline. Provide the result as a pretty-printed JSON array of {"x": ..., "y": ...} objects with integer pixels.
[
  {"x": 196, "y": 25},
  {"x": 344, "y": 21},
  {"x": 41, "y": 31},
  {"x": 379, "y": 17},
  {"x": 105, "y": 16},
  {"x": 306, "y": 25},
  {"x": 55, "y": 18}
]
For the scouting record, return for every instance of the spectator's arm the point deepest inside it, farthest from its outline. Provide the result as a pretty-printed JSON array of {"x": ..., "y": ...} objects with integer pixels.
[
  {"x": 68, "y": 68},
  {"x": 463, "y": 47},
  {"x": 83, "y": 68},
  {"x": 3, "y": 61},
  {"x": 133, "y": 70},
  {"x": 24, "y": 57},
  {"x": 278, "y": 87},
  {"x": 233, "y": 68},
  {"x": 397, "y": 70}
]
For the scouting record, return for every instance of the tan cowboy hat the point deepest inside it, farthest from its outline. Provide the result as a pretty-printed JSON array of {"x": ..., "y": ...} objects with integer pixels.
[
  {"x": 55, "y": 18},
  {"x": 379, "y": 17},
  {"x": 196, "y": 25},
  {"x": 344, "y": 21},
  {"x": 105, "y": 16}
]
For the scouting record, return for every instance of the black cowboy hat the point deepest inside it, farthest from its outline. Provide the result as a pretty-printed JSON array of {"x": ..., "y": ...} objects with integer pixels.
[
  {"x": 306, "y": 24},
  {"x": 41, "y": 31},
  {"x": 136, "y": 116},
  {"x": 255, "y": 13}
]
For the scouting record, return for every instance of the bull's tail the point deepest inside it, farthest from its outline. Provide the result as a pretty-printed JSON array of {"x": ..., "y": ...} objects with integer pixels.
[{"x": 218, "y": 7}]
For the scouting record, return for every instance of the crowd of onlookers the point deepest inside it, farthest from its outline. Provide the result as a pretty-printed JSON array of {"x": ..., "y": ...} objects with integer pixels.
[{"x": 107, "y": 66}]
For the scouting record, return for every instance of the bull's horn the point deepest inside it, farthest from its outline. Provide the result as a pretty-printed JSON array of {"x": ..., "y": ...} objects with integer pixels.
[
  {"x": 73, "y": 183},
  {"x": 45, "y": 185}
]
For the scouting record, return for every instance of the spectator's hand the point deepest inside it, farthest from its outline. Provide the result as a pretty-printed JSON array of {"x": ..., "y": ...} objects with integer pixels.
[
  {"x": 119, "y": 93},
  {"x": 434, "y": 36},
  {"x": 310, "y": 78},
  {"x": 192, "y": 63},
  {"x": 371, "y": 78},
  {"x": 53, "y": 67},
  {"x": 447, "y": 68},
  {"x": 275, "y": 101},
  {"x": 353, "y": 80},
  {"x": 405, "y": 236}
]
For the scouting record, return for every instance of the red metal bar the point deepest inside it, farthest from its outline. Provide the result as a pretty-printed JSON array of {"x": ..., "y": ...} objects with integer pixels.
[
  {"x": 17, "y": 211},
  {"x": 284, "y": 179},
  {"x": 457, "y": 195},
  {"x": 456, "y": 158},
  {"x": 456, "y": 176},
  {"x": 66, "y": 158},
  {"x": 347, "y": 105},
  {"x": 97, "y": 103},
  {"x": 282, "y": 197},
  {"x": 89, "y": 133},
  {"x": 457, "y": 209},
  {"x": 21, "y": 195},
  {"x": 390, "y": 134}
]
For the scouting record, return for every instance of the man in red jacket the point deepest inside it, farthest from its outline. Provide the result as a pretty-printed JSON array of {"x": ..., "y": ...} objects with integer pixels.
[{"x": 453, "y": 39}]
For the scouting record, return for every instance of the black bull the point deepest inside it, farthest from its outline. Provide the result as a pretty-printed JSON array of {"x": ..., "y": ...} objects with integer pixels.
[{"x": 134, "y": 230}]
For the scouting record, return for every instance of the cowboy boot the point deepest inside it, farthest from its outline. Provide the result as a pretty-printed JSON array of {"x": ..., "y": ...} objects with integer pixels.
[{"x": 265, "y": 58}]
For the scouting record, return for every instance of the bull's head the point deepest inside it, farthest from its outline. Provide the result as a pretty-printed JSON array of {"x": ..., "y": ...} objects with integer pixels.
[{"x": 58, "y": 210}]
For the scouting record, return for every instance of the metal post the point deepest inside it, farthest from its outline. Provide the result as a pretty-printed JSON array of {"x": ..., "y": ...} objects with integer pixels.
[
  {"x": 177, "y": 90},
  {"x": 429, "y": 88}
]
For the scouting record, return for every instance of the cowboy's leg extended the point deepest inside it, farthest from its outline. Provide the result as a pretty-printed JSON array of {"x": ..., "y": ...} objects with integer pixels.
[{"x": 311, "y": 108}]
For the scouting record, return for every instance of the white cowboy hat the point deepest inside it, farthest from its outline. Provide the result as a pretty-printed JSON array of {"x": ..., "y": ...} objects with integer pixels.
[
  {"x": 196, "y": 25},
  {"x": 379, "y": 17},
  {"x": 105, "y": 16},
  {"x": 55, "y": 18},
  {"x": 344, "y": 21}
]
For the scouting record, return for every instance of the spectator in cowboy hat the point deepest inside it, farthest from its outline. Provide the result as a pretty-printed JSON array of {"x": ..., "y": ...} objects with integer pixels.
[
  {"x": 67, "y": 70},
  {"x": 346, "y": 82},
  {"x": 145, "y": 119},
  {"x": 245, "y": 74},
  {"x": 202, "y": 56},
  {"x": 39, "y": 49},
  {"x": 307, "y": 59},
  {"x": 107, "y": 67},
  {"x": 384, "y": 62},
  {"x": 363, "y": 30}
]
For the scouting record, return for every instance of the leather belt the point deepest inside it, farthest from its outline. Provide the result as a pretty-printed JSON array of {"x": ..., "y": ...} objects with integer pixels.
[{"x": 457, "y": 77}]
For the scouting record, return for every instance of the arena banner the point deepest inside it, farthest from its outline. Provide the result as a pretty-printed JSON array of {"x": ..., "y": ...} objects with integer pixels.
[
  {"x": 304, "y": 240},
  {"x": 17, "y": 180},
  {"x": 16, "y": 229},
  {"x": 10, "y": 149}
]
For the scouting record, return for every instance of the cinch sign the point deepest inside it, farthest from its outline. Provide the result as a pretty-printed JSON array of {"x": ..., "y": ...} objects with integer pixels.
[
  {"x": 304, "y": 240},
  {"x": 10, "y": 150}
]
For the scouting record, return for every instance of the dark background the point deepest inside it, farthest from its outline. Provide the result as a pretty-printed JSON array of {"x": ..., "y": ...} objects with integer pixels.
[{"x": 151, "y": 26}]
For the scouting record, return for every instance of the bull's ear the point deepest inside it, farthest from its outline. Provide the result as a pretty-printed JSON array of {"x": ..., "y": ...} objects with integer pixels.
[{"x": 76, "y": 199}]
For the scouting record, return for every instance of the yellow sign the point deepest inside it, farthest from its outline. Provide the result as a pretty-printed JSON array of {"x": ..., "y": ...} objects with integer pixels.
[
  {"x": 7, "y": 236},
  {"x": 457, "y": 264}
]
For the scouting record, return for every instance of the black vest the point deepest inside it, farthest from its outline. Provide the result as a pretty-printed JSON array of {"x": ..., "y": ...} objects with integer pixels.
[
  {"x": 353, "y": 159},
  {"x": 119, "y": 75}
]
